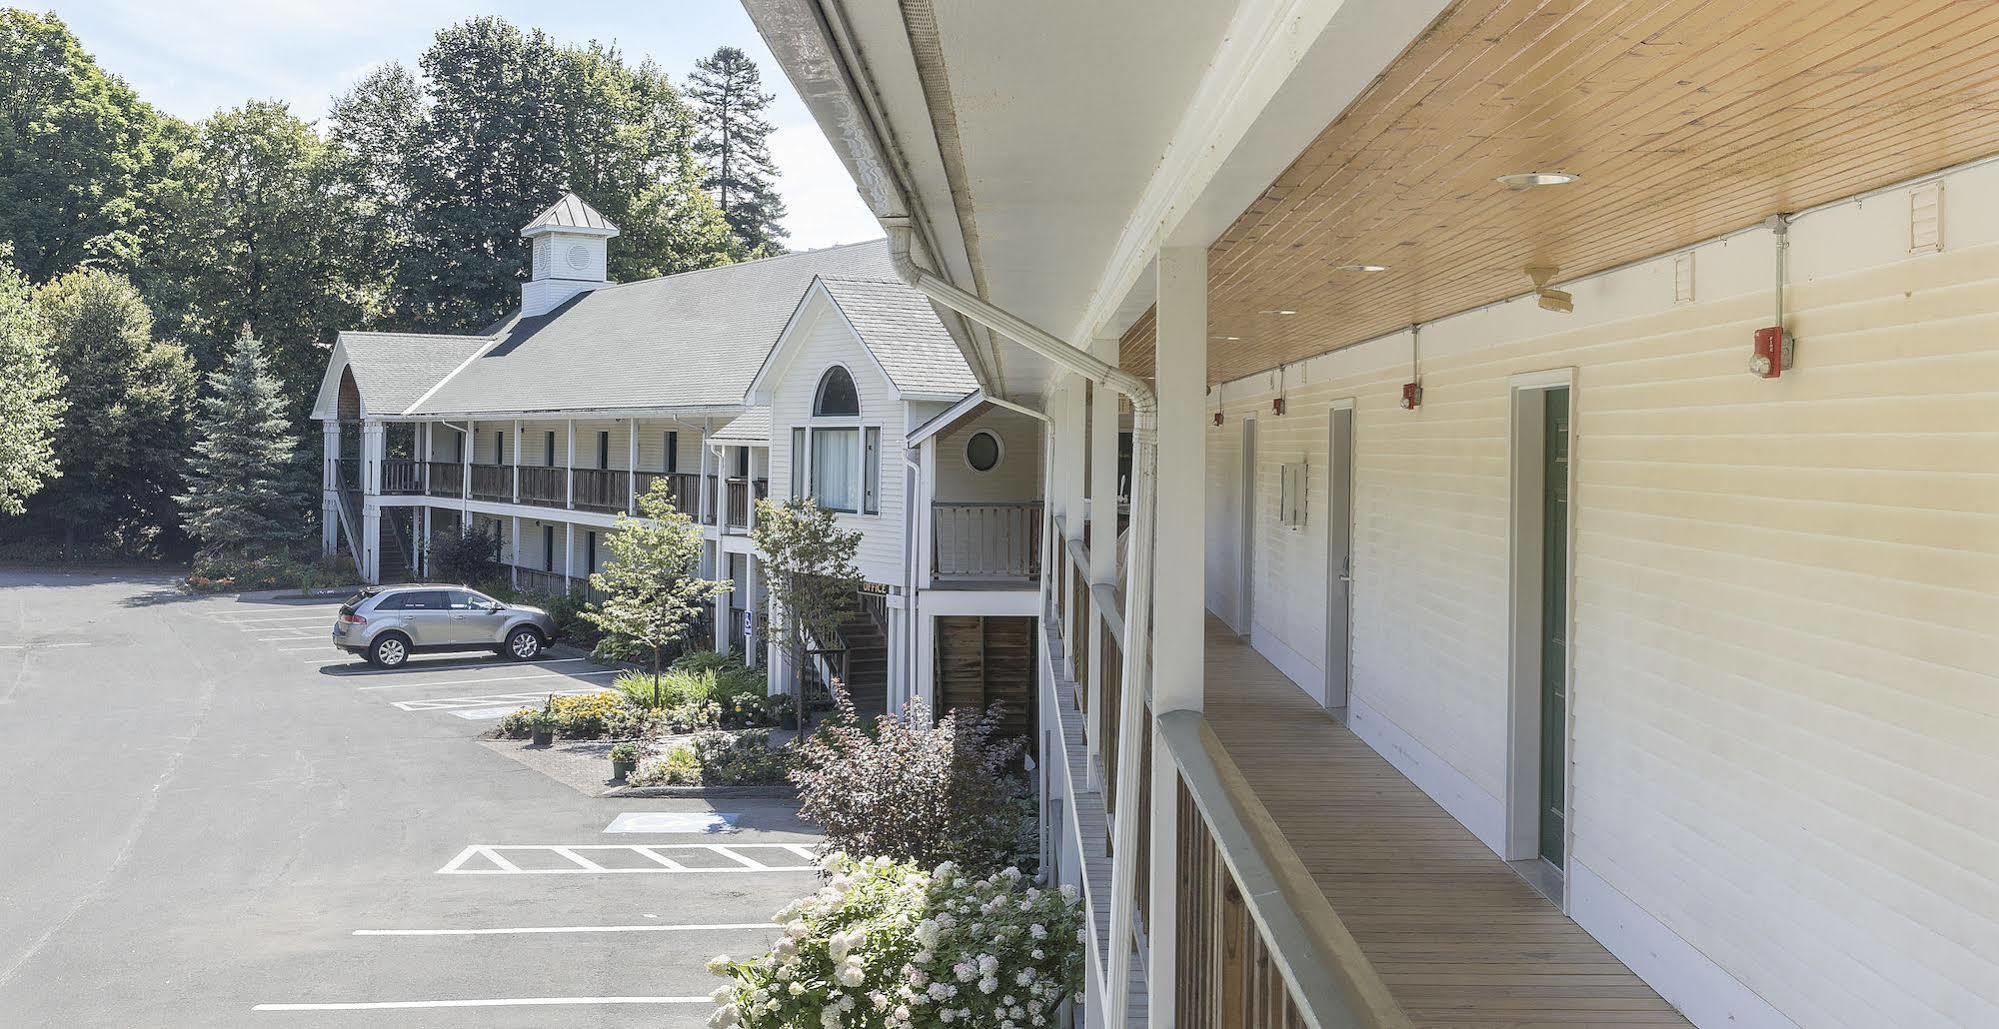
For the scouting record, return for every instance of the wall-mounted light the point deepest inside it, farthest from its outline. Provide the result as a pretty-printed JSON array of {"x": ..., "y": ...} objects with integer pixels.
[
  {"x": 1277, "y": 405},
  {"x": 1534, "y": 179},
  {"x": 1218, "y": 418}
]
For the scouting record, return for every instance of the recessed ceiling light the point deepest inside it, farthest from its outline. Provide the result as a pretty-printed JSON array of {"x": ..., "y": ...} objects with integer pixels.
[
  {"x": 1529, "y": 180},
  {"x": 1362, "y": 268},
  {"x": 1283, "y": 311},
  {"x": 1227, "y": 339}
]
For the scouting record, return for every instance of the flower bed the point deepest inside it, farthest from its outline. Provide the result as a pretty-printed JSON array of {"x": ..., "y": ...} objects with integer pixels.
[
  {"x": 717, "y": 759},
  {"x": 889, "y": 946}
]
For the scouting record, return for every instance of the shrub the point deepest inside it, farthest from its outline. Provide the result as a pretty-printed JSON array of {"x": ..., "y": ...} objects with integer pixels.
[
  {"x": 625, "y": 752},
  {"x": 718, "y": 759},
  {"x": 233, "y": 571},
  {"x": 678, "y": 768},
  {"x": 469, "y": 557},
  {"x": 577, "y": 718},
  {"x": 887, "y": 944},
  {"x": 913, "y": 791}
]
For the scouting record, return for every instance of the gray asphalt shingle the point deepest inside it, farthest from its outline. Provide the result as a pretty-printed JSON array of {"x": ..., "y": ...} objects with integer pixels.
[
  {"x": 898, "y": 324},
  {"x": 393, "y": 369}
]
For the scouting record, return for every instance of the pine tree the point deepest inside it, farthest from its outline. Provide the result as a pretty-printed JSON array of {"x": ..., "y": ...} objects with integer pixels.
[
  {"x": 238, "y": 500},
  {"x": 31, "y": 403},
  {"x": 729, "y": 103}
]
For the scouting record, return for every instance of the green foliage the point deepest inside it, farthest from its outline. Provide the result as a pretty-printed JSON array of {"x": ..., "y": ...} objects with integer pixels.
[
  {"x": 239, "y": 495},
  {"x": 31, "y": 403},
  {"x": 913, "y": 790},
  {"x": 79, "y": 150},
  {"x": 498, "y": 125},
  {"x": 469, "y": 557},
  {"x": 652, "y": 592},
  {"x": 123, "y": 442},
  {"x": 718, "y": 759},
  {"x": 625, "y": 752},
  {"x": 697, "y": 678},
  {"x": 727, "y": 92},
  {"x": 809, "y": 574},
  {"x": 232, "y": 572},
  {"x": 888, "y": 945}
]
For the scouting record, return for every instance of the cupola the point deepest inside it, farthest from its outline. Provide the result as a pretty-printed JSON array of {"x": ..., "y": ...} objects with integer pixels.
[{"x": 569, "y": 242}]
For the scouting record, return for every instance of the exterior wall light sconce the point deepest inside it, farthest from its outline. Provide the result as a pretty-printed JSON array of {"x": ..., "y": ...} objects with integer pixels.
[
  {"x": 1412, "y": 396},
  {"x": 1277, "y": 405},
  {"x": 1218, "y": 418}
]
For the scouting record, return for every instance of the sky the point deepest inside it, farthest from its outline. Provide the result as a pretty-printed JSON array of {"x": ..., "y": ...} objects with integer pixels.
[{"x": 193, "y": 57}]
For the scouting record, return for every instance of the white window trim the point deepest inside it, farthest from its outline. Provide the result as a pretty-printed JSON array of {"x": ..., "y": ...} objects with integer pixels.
[
  {"x": 857, "y": 422},
  {"x": 965, "y": 451}
]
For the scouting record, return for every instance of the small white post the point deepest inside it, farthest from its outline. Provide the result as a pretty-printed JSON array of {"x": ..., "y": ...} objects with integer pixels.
[
  {"x": 632, "y": 468},
  {"x": 517, "y": 479},
  {"x": 514, "y": 568},
  {"x": 569, "y": 472}
]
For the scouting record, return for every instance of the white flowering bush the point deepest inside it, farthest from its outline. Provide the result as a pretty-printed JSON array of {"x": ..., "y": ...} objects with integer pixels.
[{"x": 889, "y": 946}]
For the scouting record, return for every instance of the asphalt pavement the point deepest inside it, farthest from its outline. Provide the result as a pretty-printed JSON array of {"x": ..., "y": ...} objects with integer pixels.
[{"x": 209, "y": 817}]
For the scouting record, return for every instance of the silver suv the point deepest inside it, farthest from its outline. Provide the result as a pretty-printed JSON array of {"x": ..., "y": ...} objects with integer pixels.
[{"x": 387, "y": 624}]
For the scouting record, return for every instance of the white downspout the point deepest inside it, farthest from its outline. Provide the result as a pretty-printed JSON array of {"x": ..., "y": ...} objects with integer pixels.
[{"x": 1138, "y": 589}]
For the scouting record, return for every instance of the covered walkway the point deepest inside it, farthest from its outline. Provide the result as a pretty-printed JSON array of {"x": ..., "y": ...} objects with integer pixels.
[{"x": 1456, "y": 935}]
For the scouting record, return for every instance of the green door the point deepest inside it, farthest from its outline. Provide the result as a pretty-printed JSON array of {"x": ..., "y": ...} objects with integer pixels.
[{"x": 1554, "y": 623}]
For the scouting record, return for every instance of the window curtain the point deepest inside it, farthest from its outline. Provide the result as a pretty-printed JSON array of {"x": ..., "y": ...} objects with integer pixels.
[{"x": 833, "y": 468}]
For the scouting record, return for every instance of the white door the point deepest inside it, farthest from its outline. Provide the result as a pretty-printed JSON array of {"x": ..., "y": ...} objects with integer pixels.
[
  {"x": 1339, "y": 556},
  {"x": 1246, "y": 565}
]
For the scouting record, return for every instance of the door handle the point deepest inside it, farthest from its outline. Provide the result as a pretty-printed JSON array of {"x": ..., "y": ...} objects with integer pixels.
[{"x": 1344, "y": 577}]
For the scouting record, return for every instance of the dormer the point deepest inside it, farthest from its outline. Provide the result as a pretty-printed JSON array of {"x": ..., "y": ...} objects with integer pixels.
[{"x": 569, "y": 241}]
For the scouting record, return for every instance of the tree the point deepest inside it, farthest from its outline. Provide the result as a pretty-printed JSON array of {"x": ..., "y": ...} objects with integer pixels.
[
  {"x": 653, "y": 592},
  {"x": 130, "y": 397},
  {"x": 31, "y": 404},
  {"x": 502, "y": 123},
  {"x": 77, "y": 149},
  {"x": 808, "y": 569},
  {"x": 257, "y": 227},
  {"x": 240, "y": 498},
  {"x": 727, "y": 90}
]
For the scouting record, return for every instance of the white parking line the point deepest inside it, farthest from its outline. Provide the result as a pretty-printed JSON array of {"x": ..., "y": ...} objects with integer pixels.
[
  {"x": 524, "y": 930},
  {"x": 295, "y": 637},
  {"x": 499, "y": 1002},
  {"x": 496, "y": 678},
  {"x": 415, "y": 667},
  {"x": 581, "y": 865},
  {"x": 301, "y": 650},
  {"x": 490, "y": 699},
  {"x": 254, "y": 624}
]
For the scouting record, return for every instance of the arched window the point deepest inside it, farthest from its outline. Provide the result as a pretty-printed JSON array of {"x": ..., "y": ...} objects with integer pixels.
[{"x": 836, "y": 396}]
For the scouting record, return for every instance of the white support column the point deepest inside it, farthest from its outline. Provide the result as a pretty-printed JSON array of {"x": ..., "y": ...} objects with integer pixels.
[
  {"x": 465, "y": 476},
  {"x": 753, "y": 580},
  {"x": 1071, "y": 444},
  {"x": 1179, "y": 586},
  {"x": 514, "y": 568},
  {"x": 724, "y": 569},
  {"x": 568, "y": 552},
  {"x": 1103, "y": 445},
  {"x": 517, "y": 480},
  {"x": 368, "y": 556},
  {"x": 569, "y": 473},
  {"x": 632, "y": 468},
  {"x": 329, "y": 488},
  {"x": 371, "y": 458}
]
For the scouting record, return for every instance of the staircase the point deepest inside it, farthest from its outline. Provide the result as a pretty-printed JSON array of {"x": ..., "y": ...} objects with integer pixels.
[{"x": 867, "y": 664}]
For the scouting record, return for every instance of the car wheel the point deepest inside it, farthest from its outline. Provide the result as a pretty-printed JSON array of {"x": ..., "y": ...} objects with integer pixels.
[
  {"x": 389, "y": 651},
  {"x": 524, "y": 645}
]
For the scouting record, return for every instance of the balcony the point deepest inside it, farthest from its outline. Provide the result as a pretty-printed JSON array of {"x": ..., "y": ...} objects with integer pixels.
[
  {"x": 492, "y": 482},
  {"x": 446, "y": 479},
  {"x": 742, "y": 494},
  {"x": 544, "y": 486},
  {"x": 974, "y": 544},
  {"x": 402, "y": 477},
  {"x": 600, "y": 489},
  {"x": 685, "y": 487}
]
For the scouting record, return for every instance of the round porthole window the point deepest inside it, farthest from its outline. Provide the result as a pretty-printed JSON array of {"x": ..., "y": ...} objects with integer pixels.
[{"x": 982, "y": 451}]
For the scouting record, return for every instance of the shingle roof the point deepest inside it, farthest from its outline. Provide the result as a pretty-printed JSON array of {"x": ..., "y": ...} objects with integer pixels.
[
  {"x": 570, "y": 212},
  {"x": 898, "y": 324},
  {"x": 393, "y": 369},
  {"x": 752, "y": 426},
  {"x": 688, "y": 340}
]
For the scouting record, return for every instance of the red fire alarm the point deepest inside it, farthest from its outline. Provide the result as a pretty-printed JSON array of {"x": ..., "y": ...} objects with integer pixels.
[
  {"x": 1773, "y": 352},
  {"x": 1277, "y": 405},
  {"x": 1412, "y": 396}
]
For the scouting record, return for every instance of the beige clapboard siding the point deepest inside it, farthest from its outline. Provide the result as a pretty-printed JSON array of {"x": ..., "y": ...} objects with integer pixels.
[{"x": 1786, "y": 640}]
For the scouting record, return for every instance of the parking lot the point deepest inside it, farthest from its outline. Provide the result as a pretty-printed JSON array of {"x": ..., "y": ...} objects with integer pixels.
[{"x": 213, "y": 818}]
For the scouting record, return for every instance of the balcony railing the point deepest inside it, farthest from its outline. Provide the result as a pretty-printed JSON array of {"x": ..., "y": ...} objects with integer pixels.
[
  {"x": 401, "y": 476},
  {"x": 447, "y": 479},
  {"x": 709, "y": 485},
  {"x": 549, "y": 584},
  {"x": 685, "y": 487},
  {"x": 986, "y": 541},
  {"x": 492, "y": 482},
  {"x": 544, "y": 485},
  {"x": 743, "y": 493},
  {"x": 601, "y": 489}
]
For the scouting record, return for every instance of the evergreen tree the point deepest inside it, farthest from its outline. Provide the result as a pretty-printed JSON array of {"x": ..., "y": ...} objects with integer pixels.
[
  {"x": 121, "y": 445},
  {"x": 727, "y": 90},
  {"x": 31, "y": 403},
  {"x": 239, "y": 497}
]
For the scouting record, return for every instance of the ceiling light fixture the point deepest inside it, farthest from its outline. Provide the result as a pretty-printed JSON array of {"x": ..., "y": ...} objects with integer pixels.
[
  {"x": 1362, "y": 268},
  {"x": 1226, "y": 339},
  {"x": 1280, "y": 311},
  {"x": 1529, "y": 180}
]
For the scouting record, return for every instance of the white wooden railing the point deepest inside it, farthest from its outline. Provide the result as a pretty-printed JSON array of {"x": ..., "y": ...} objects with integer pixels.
[{"x": 985, "y": 540}]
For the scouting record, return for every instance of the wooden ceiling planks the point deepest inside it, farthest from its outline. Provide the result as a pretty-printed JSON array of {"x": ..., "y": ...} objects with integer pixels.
[{"x": 1686, "y": 119}]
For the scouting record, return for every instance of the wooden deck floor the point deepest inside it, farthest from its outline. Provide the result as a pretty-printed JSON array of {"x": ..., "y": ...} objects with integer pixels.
[{"x": 1458, "y": 937}]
